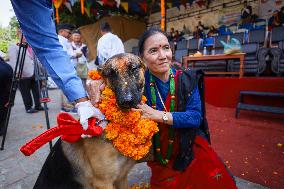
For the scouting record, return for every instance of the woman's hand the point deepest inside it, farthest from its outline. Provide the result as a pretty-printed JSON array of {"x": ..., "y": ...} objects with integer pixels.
[
  {"x": 148, "y": 112},
  {"x": 94, "y": 89}
]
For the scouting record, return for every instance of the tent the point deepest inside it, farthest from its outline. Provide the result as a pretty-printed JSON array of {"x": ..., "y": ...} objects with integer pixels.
[{"x": 125, "y": 28}]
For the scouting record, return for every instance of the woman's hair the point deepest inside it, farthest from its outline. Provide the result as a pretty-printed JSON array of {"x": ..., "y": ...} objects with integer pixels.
[{"x": 148, "y": 33}]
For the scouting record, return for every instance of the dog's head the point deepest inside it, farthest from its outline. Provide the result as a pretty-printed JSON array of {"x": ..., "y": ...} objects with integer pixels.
[{"x": 124, "y": 74}]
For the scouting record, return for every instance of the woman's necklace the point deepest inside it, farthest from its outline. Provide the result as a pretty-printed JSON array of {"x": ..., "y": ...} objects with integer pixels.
[{"x": 171, "y": 130}]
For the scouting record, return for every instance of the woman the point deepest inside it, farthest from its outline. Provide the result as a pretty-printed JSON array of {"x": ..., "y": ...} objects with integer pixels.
[
  {"x": 183, "y": 157},
  {"x": 176, "y": 165}
]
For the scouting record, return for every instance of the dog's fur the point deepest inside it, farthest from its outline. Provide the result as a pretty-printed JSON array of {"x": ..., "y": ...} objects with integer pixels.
[{"x": 94, "y": 162}]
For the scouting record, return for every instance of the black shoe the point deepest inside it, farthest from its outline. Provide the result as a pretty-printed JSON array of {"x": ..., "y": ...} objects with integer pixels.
[
  {"x": 40, "y": 108},
  {"x": 31, "y": 111},
  {"x": 64, "y": 110}
]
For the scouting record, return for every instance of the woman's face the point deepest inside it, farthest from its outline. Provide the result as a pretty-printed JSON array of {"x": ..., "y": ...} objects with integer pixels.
[{"x": 157, "y": 54}]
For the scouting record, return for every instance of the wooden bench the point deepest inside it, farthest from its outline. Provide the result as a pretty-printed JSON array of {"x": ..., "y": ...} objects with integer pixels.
[{"x": 260, "y": 108}]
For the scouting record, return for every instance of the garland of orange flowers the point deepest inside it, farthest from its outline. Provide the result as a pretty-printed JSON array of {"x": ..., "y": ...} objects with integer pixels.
[{"x": 129, "y": 133}]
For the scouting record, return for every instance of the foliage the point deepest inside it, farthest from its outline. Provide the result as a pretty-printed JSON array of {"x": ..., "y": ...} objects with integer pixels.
[{"x": 9, "y": 34}]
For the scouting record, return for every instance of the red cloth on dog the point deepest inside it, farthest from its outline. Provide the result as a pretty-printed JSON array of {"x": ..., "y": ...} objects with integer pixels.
[{"x": 68, "y": 128}]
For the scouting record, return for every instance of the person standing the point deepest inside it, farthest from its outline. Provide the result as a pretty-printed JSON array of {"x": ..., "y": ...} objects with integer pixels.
[
  {"x": 36, "y": 22},
  {"x": 27, "y": 83},
  {"x": 246, "y": 13},
  {"x": 64, "y": 36},
  {"x": 80, "y": 48},
  {"x": 6, "y": 75},
  {"x": 108, "y": 45}
]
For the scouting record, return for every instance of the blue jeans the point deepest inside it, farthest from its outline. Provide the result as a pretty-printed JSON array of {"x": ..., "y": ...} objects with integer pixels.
[{"x": 35, "y": 18}]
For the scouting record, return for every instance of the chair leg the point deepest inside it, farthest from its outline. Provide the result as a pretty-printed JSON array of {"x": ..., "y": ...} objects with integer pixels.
[{"x": 275, "y": 63}]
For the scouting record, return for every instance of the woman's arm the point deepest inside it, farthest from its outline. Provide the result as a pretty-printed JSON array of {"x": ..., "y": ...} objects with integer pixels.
[{"x": 192, "y": 117}]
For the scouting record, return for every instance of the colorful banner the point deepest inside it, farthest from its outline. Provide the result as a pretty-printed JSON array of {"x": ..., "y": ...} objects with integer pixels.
[{"x": 125, "y": 6}]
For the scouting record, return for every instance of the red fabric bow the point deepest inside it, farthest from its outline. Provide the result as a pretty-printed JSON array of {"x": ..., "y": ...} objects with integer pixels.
[{"x": 68, "y": 128}]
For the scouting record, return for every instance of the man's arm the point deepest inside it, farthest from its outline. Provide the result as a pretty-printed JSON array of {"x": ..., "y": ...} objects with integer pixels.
[{"x": 35, "y": 18}]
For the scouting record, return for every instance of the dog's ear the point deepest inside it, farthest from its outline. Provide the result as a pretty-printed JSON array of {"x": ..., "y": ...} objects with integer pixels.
[
  {"x": 106, "y": 69},
  {"x": 100, "y": 69}
]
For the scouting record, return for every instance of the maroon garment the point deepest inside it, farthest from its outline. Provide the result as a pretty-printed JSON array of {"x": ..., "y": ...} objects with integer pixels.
[{"x": 205, "y": 171}]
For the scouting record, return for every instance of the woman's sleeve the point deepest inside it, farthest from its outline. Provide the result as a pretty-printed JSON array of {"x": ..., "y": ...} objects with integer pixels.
[{"x": 192, "y": 116}]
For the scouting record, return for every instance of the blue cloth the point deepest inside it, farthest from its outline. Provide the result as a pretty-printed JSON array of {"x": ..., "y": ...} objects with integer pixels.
[
  {"x": 35, "y": 18},
  {"x": 190, "y": 118}
]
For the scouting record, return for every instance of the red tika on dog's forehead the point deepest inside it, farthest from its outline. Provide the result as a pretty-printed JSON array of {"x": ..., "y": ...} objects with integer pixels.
[{"x": 121, "y": 63}]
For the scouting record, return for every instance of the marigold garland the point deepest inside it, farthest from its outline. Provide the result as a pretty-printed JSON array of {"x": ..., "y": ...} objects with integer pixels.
[
  {"x": 94, "y": 74},
  {"x": 129, "y": 133}
]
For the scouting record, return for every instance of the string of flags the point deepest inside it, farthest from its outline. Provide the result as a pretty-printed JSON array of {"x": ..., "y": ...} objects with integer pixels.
[{"x": 140, "y": 7}]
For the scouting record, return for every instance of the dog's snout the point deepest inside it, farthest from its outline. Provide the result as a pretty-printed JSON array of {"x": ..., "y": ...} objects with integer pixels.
[{"x": 126, "y": 101}]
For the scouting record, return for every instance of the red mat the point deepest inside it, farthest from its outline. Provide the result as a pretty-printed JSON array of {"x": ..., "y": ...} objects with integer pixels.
[
  {"x": 224, "y": 91},
  {"x": 251, "y": 146}
]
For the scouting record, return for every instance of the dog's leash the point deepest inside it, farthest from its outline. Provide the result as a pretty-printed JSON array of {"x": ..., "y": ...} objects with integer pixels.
[{"x": 68, "y": 128}]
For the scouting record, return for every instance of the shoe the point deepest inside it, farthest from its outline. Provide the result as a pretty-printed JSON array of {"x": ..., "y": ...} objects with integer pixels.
[
  {"x": 40, "y": 108},
  {"x": 31, "y": 111},
  {"x": 65, "y": 110},
  {"x": 73, "y": 111}
]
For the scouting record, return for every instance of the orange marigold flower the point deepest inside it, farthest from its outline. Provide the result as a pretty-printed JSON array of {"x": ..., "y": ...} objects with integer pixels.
[
  {"x": 130, "y": 134},
  {"x": 94, "y": 74}
]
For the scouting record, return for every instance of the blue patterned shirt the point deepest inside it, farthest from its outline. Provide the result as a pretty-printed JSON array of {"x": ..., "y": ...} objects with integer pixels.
[{"x": 192, "y": 117}]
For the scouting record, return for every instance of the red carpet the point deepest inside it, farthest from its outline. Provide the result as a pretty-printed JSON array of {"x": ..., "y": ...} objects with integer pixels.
[
  {"x": 224, "y": 91},
  {"x": 252, "y": 146}
]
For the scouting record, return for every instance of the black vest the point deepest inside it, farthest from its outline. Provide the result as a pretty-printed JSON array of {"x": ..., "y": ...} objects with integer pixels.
[{"x": 187, "y": 81}]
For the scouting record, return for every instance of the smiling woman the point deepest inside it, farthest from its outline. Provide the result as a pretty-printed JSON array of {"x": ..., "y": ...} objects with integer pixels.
[{"x": 183, "y": 156}]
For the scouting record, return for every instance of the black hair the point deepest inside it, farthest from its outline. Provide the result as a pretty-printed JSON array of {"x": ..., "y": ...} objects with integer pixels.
[
  {"x": 105, "y": 27},
  {"x": 76, "y": 31},
  {"x": 148, "y": 33},
  {"x": 65, "y": 26}
]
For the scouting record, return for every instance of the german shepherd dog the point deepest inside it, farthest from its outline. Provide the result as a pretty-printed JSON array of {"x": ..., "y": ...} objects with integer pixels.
[{"x": 94, "y": 162}]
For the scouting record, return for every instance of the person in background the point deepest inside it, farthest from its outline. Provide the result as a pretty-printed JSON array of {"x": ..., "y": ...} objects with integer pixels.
[
  {"x": 246, "y": 13},
  {"x": 281, "y": 16},
  {"x": 274, "y": 20},
  {"x": 185, "y": 30},
  {"x": 80, "y": 48},
  {"x": 171, "y": 34},
  {"x": 6, "y": 75},
  {"x": 212, "y": 31},
  {"x": 64, "y": 36},
  {"x": 36, "y": 22},
  {"x": 27, "y": 83},
  {"x": 65, "y": 39},
  {"x": 197, "y": 33},
  {"x": 108, "y": 45},
  {"x": 201, "y": 26}
]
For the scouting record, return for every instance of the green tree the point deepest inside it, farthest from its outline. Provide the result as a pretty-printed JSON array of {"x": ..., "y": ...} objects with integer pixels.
[
  {"x": 8, "y": 34},
  {"x": 14, "y": 25}
]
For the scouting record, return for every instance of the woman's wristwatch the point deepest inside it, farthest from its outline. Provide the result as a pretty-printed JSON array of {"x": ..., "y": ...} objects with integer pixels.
[{"x": 165, "y": 118}]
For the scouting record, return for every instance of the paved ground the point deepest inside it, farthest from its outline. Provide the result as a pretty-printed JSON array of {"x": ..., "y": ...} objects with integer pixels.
[{"x": 20, "y": 172}]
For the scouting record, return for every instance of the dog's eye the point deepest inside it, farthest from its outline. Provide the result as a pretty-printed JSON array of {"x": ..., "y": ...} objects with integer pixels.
[{"x": 109, "y": 73}]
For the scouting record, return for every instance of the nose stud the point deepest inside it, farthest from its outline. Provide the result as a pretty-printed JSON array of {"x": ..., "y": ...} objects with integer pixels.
[{"x": 125, "y": 83}]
